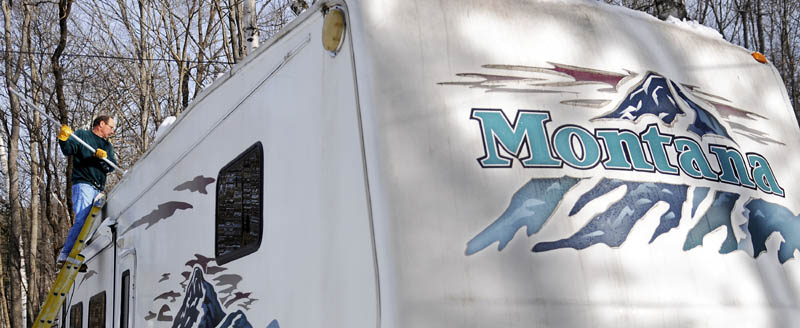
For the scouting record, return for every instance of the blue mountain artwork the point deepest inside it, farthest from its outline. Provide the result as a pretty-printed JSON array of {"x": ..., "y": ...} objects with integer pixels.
[
  {"x": 704, "y": 122},
  {"x": 530, "y": 207},
  {"x": 534, "y": 203},
  {"x": 201, "y": 308},
  {"x": 236, "y": 320},
  {"x": 764, "y": 218},
  {"x": 613, "y": 226},
  {"x": 654, "y": 96},
  {"x": 719, "y": 215},
  {"x": 700, "y": 194}
]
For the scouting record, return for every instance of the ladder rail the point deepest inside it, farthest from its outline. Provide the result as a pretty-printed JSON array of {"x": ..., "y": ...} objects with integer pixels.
[{"x": 69, "y": 271}]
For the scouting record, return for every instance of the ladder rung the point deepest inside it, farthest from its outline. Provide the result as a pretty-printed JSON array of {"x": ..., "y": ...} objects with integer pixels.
[{"x": 66, "y": 276}]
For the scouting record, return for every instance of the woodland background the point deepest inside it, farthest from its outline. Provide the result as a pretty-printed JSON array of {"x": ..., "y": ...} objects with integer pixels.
[{"x": 145, "y": 60}]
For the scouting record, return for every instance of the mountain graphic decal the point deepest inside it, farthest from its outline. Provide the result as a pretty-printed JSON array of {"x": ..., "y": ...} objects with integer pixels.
[
  {"x": 211, "y": 298},
  {"x": 766, "y": 218},
  {"x": 612, "y": 226},
  {"x": 236, "y": 320},
  {"x": 531, "y": 206},
  {"x": 652, "y": 94},
  {"x": 656, "y": 95},
  {"x": 200, "y": 307}
]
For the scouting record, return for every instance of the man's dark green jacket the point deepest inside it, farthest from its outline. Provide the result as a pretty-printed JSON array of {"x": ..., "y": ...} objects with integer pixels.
[{"x": 86, "y": 168}]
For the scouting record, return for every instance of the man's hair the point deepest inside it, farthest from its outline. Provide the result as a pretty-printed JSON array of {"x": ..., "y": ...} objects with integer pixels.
[{"x": 101, "y": 118}]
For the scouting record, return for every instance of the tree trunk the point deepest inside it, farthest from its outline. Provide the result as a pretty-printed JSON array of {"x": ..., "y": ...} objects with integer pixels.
[
  {"x": 52, "y": 236},
  {"x": 64, "y": 8},
  {"x": 4, "y": 162},
  {"x": 718, "y": 18},
  {"x": 760, "y": 27},
  {"x": 743, "y": 12},
  {"x": 23, "y": 276},
  {"x": 787, "y": 54},
  {"x": 225, "y": 41},
  {"x": 4, "y": 319},
  {"x": 16, "y": 211},
  {"x": 234, "y": 24},
  {"x": 184, "y": 78},
  {"x": 12, "y": 73},
  {"x": 33, "y": 240}
]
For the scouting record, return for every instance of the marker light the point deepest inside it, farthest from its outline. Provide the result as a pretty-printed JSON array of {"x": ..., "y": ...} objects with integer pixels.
[
  {"x": 333, "y": 30},
  {"x": 759, "y": 57}
]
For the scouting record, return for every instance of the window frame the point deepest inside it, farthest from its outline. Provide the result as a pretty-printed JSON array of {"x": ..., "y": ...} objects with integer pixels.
[
  {"x": 79, "y": 307},
  {"x": 248, "y": 249},
  {"x": 99, "y": 300},
  {"x": 64, "y": 311},
  {"x": 125, "y": 295}
]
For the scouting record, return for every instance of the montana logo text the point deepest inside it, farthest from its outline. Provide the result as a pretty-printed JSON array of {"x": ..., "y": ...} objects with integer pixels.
[{"x": 528, "y": 139}]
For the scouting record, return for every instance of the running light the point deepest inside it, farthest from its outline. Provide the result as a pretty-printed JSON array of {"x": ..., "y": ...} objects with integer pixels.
[{"x": 759, "y": 57}]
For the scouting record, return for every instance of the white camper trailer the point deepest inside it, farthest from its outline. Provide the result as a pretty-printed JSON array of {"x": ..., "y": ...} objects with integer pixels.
[{"x": 520, "y": 163}]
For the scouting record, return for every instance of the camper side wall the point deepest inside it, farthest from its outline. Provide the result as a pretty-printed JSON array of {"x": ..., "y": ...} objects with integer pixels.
[{"x": 263, "y": 216}]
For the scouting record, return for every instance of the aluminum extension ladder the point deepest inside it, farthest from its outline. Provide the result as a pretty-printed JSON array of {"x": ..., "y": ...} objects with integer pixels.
[{"x": 69, "y": 271}]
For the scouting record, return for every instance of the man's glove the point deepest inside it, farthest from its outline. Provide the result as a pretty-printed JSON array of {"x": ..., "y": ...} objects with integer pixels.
[
  {"x": 65, "y": 132},
  {"x": 101, "y": 154}
]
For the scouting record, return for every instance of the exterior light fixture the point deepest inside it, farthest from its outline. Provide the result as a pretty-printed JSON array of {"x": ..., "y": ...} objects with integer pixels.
[
  {"x": 759, "y": 57},
  {"x": 333, "y": 29}
]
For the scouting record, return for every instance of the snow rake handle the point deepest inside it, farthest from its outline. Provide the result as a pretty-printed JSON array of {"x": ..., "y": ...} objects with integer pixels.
[{"x": 57, "y": 123}]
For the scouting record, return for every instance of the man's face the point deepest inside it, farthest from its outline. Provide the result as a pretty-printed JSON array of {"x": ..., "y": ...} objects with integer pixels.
[{"x": 107, "y": 129}]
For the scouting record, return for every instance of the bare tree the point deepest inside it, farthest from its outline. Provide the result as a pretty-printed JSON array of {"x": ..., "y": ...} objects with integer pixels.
[
  {"x": 64, "y": 9},
  {"x": 35, "y": 200},
  {"x": 13, "y": 69},
  {"x": 4, "y": 306}
]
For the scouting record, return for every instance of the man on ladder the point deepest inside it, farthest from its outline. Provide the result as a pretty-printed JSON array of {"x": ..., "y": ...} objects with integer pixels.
[
  {"x": 89, "y": 172},
  {"x": 91, "y": 164}
]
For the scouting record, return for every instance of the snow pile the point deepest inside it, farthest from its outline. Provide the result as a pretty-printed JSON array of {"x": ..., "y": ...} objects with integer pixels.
[
  {"x": 164, "y": 127},
  {"x": 694, "y": 26}
]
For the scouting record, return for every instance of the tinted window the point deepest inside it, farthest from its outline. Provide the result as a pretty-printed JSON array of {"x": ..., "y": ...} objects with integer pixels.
[
  {"x": 239, "y": 205},
  {"x": 97, "y": 311},
  {"x": 76, "y": 316},
  {"x": 124, "y": 299},
  {"x": 63, "y": 313}
]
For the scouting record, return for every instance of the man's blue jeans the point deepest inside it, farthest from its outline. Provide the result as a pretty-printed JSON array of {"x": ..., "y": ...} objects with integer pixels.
[{"x": 83, "y": 195}]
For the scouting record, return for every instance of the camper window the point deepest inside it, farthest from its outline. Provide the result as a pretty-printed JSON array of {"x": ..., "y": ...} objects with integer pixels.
[
  {"x": 123, "y": 304},
  {"x": 63, "y": 313},
  {"x": 97, "y": 310},
  {"x": 239, "y": 205},
  {"x": 76, "y": 316}
]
